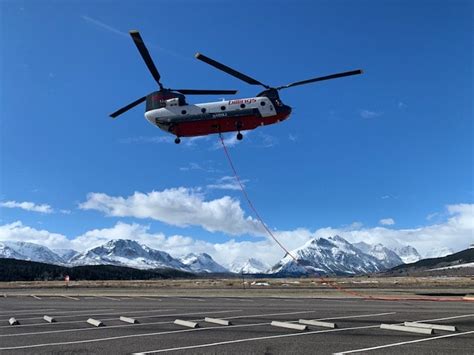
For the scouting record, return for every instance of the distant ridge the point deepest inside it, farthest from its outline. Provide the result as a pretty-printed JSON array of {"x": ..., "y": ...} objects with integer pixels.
[
  {"x": 23, "y": 270},
  {"x": 460, "y": 263}
]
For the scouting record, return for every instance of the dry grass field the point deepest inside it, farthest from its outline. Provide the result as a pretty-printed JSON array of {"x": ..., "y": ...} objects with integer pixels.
[{"x": 264, "y": 287}]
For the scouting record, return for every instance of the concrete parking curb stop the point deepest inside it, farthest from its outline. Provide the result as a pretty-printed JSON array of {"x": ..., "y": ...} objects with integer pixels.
[
  {"x": 128, "y": 320},
  {"x": 289, "y": 325},
  {"x": 403, "y": 328},
  {"x": 95, "y": 322},
  {"x": 186, "y": 323},
  {"x": 49, "y": 319},
  {"x": 217, "y": 321},
  {"x": 317, "y": 323},
  {"x": 448, "y": 328}
]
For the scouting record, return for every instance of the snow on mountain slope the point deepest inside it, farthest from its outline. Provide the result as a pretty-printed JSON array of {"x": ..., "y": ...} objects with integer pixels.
[
  {"x": 334, "y": 255},
  {"x": 249, "y": 266},
  {"x": 66, "y": 254},
  {"x": 127, "y": 253},
  {"x": 202, "y": 263},
  {"x": 388, "y": 258},
  {"x": 438, "y": 253},
  {"x": 407, "y": 253},
  {"x": 33, "y": 252},
  {"x": 8, "y": 253}
]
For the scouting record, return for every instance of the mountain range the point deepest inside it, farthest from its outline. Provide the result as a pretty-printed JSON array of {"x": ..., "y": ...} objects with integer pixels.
[{"x": 333, "y": 255}]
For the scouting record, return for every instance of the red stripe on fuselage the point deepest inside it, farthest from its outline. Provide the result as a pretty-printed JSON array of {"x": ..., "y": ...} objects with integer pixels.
[{"x": 225, "y": 124}]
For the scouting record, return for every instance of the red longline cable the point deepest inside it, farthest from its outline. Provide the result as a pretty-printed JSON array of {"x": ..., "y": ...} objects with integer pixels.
[{"x": 332, "y": 284}]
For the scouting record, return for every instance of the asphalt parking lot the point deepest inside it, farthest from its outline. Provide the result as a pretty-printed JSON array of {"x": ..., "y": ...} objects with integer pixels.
[{"x": 358, "y": 326}]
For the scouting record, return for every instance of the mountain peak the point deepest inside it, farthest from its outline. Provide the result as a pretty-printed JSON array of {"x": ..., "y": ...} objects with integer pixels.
[
  {"x": 202, "y": 263},
  {"x": 249, "y": 266},
  {"x": 333, "y": 255}
]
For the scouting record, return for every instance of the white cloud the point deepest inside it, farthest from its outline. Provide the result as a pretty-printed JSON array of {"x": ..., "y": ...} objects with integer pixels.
[
  {"x": 387, "y": 222},
  {"x": 369, "y": 114},
  {"x": 456, "y": 232},
  {"x": 227, "y": 183},
  {"x": 28, "y": 206},
  {"x": 292, "y": 137},
  {"x": 179, "y": 207},
  {"x": 18, "y": 231}
]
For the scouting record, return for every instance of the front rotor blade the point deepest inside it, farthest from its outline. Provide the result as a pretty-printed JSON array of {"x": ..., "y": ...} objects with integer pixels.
[
  {"x": 145, "y": 55},
  {"x": 328, "y": 77},
  {"x": 229, "y": 70},
  {"x": 128, "y": 107},
  {"x": 205, "y": 92}
]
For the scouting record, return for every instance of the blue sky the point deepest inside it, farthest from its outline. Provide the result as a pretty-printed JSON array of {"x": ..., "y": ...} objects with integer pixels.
[{"x": 394, "y": 143}]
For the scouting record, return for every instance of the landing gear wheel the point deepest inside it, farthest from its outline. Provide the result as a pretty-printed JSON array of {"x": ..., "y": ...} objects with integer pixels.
[
  {"x": 239, "y": 136},
  {"x": 177, "y": 140}
]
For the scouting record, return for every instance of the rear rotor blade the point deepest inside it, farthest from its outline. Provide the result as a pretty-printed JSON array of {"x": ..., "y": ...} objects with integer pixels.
[
  {"x": 145, "y": 55},
  {"x": 321, "y": 78},
  {"x": 205, "y": 92},
  {"x": 229, "y": 70},
  {"x": 128, "y": 107}
]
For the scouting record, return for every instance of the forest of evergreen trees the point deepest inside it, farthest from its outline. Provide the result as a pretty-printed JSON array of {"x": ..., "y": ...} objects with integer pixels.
[{"x": 22, "y": 270}]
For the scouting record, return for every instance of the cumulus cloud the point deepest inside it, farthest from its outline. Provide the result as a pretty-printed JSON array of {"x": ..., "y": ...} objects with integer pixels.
[
  {"x": 387, "y": 222},
  {"x": 27, "y": 206},
  {"x": 17, "y": 231},
  {"x": 456, "y": 232},
  {"x": 179, "y": 207}
]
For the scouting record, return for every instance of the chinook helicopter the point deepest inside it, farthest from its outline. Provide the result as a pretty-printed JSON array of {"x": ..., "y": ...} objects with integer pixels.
[{"x": 168, "y": 109}]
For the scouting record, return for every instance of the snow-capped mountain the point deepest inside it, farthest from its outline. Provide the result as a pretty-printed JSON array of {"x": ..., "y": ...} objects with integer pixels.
[
  {"x": 388, "y": 258},
  {"x": 438, "y": 253},
  {"x": 130, "y": 253},
  {"x": 249, "y": 266},
  {"x": 66, "y": 254},
  {"x": 8, "y": 252},
  {"x": 202, "y": 263},
  {"x": 333, "y": 255},
  {"x": 29, "y": 251},
  {"x": 407, "y": 253}
]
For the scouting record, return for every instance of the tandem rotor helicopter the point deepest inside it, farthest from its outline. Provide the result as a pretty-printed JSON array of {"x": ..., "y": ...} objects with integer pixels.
[{"x": 168, "y": 109}]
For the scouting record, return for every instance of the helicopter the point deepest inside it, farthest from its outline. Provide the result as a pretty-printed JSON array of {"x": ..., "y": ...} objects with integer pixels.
[{"x": 169, "y": 110}]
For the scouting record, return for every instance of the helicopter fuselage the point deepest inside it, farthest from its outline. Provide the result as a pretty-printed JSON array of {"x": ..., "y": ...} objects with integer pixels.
[{"x": 177, "y": 117}]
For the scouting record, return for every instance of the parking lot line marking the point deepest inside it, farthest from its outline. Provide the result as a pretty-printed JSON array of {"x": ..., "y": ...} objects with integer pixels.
[
  {"x": 359, "y": 316},
  {"x": 111, "y": 326},
  {"x": 127, "y": 336},
  {"x": 70, "y": 298},
  {"x": 445, "y": 318},
  {"x": 177, "y": 331},
  {"x": 20, "y": 311},
  {"x": 267, "y": 314},
  {"x": 95, "y": 314},
  {"x": 251, "y": 339},
  {"x": 190, "y": 299},
  {"x": 58, "y": 314},
  {"x": 108, "y": 298},
  {"x": 404, "y": 342}
]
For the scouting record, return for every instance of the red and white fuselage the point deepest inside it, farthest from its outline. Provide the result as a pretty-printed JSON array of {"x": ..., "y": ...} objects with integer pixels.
[{"x": 173, "y": 115}]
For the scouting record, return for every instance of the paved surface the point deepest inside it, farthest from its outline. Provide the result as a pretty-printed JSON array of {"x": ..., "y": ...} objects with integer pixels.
[{"x": 358, "y": 324}]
